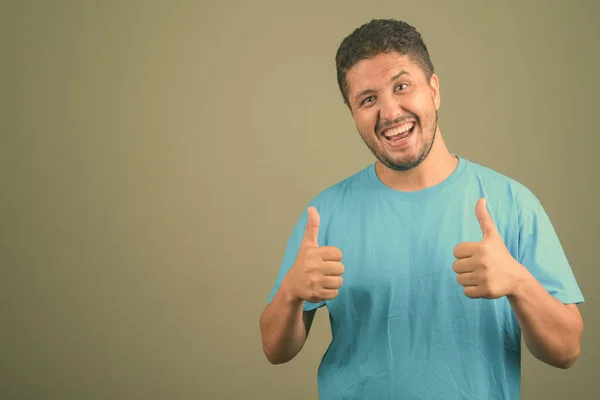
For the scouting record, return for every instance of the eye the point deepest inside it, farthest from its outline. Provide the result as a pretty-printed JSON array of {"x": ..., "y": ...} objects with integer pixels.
[
  {"x": 401, "y": 86},
  {"x": 367, "y": 100}
]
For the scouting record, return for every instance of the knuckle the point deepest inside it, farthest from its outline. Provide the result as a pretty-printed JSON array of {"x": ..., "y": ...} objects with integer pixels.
[
  {"x": 487, "y": 288},
  {"x": 469, "y": 292},
  {"x": 311, "y": 253},
  {"x": 482, "y": 262},
  {"x": 312, "y": 266},
  {"x": 484, "y": 249}
]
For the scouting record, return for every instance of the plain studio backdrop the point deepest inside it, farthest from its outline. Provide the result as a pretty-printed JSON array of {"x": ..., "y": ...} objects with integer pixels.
[{"x": 155, "y": 156}]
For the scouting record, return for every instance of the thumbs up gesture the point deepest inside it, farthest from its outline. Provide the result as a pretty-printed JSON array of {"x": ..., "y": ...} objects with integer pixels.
[
  {"x": 486, "y": 269},
  {"x": 317, "y": 273}
]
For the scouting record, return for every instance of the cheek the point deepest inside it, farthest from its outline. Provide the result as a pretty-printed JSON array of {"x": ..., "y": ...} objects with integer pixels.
[
  {"x": 365, "y": 122},
  {"x": 424, "y": 111}
]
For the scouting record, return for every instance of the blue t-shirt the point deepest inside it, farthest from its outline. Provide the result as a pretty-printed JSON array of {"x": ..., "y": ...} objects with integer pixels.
[{"x": 402, "y": 327}]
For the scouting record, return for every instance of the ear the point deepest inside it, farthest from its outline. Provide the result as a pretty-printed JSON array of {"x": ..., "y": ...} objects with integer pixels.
[{"x": 435, "y": 90}]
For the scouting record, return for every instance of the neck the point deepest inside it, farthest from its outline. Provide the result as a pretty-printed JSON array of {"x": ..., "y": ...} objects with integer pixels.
[{"x": 437, "y": 166}]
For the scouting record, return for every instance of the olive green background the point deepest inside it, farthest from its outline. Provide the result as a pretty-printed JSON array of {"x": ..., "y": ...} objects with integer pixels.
[{"x": 155, "y": 156}]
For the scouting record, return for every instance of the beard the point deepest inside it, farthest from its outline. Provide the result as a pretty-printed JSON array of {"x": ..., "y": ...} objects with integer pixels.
[{"x": 404, "y": 162}]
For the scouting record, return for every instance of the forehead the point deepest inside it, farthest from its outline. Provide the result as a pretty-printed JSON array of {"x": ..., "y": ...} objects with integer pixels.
[{"x": 378, "y": 71}]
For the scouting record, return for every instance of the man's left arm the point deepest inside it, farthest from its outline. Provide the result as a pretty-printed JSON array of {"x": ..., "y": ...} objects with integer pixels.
[{"x": 552, "y": 330}]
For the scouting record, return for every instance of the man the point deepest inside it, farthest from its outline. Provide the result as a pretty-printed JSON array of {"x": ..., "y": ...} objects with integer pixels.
[{"x": 431, "y": 266}]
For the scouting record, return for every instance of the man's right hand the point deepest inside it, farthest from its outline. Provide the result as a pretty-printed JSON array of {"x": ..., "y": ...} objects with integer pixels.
[{"x": 317, "y": 273}]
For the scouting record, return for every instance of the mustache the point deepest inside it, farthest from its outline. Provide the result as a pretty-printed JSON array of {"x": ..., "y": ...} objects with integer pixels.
[{"x": 385, "y": 124}]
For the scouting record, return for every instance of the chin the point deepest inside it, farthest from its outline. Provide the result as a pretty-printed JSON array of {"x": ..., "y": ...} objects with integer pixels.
[
  {"x": 403, "y": 166},
  {"x": 404, "y": 163}
]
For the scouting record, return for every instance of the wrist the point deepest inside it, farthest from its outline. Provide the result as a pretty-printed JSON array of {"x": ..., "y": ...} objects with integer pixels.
[
  {"x": 522, "y": 280},
  {"x": 288, "y": 293}
]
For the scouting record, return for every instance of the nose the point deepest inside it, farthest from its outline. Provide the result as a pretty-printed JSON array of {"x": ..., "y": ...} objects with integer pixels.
[{"x": 389, "y": 109}]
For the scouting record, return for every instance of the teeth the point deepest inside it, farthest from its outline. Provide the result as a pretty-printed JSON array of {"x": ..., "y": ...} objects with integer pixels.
[{"x": 398, "y": 130}]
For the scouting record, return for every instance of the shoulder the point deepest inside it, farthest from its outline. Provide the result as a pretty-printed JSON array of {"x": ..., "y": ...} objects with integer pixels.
[
  {"x": 345, "y": 190},
  {"x": 329, "y": 200},
  {"x": 499, "y": 184},
  {"x": 507, "y": 197}
]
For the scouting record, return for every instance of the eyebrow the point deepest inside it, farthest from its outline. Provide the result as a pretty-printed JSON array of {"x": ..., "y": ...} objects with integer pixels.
[{"x": 371, "y": 91}]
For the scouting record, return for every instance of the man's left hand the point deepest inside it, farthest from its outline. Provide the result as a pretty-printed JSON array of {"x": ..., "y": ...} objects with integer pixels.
[{"x": 486, "y": 269}]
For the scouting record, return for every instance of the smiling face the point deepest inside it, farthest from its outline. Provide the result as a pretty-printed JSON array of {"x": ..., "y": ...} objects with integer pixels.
[{"x": 394, "y": 107}]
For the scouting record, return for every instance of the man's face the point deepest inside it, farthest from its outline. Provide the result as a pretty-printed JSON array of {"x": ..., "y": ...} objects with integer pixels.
[{"x": 394, "y": 108}]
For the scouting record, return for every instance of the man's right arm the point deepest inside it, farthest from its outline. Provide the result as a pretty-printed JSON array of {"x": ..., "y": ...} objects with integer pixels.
[
  {"x": 315, "y": 277},
  {"x": 284, "y": 326}
]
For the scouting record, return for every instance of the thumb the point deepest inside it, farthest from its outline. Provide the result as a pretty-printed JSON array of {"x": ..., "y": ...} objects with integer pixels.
[
  {"x": 485, "y": 219},
  {"x": 312, "y": 227}
]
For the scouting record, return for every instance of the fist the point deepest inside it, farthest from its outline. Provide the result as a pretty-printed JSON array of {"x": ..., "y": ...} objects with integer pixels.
[
  {"x": 317, "y": 273},
  {"x": 486, "y": 269}
]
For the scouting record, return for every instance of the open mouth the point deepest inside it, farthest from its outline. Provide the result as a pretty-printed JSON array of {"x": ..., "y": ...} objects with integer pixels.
[{"x": 399, "y": 133}]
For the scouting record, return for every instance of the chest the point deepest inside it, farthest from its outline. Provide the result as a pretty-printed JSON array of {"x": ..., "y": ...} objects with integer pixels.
[{"x": 398, "y": 257}]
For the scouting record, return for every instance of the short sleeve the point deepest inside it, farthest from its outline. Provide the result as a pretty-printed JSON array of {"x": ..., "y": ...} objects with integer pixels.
[
  {"x": 289, "y": 257},
  {"x": 541, "y": 252}
]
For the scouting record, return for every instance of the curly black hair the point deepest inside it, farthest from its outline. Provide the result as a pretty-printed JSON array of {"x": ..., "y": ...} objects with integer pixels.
[{"x": 376, "y": 37}]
